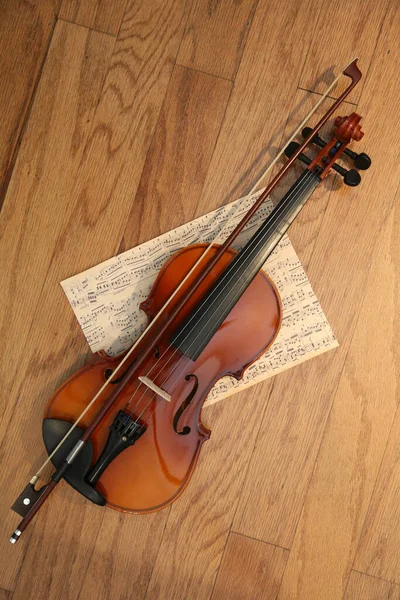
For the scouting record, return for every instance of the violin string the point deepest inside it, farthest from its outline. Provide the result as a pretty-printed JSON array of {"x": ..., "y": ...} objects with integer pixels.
[
  {"x": 161, "y": 385},
  {"x": 295, "y": 194},
  {"x": 298, "y": 190},
  {"x": 161, "y": 357},
  {"x": 35, "y": 478},
  {"x": 273, "y": 162}
]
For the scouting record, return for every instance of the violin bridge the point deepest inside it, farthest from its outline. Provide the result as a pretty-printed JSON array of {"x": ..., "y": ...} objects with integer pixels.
[{"x": 152, "y": 386}]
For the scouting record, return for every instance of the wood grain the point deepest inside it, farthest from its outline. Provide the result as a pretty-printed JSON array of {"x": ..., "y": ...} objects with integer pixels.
[
  {"x": 26, "y": 32},
  {"x": 199, "y": 522},
  {"x": 364, "y": 587},
  {"x": 354, "y": 441},
  {"x": 378, "y": 553},
  {"x": 103, "y": 15},
  {"x": 124, "y": 117},
  {"x": 123, "y": 556},
  {"x": 176, "y": 164},
  {"x": 61, "y": 540},
  {"x": 55, "y": 349},
  {"x": 216, "y": 35},
  {"x": 35, "y": 207},
  {"x": 250, "y": 570},
  {"x": 260, "y": 101},
  {"x": 346, "y": 19},
  {"x": 5, "y": 595},
  {"x": 38, "y": 197},
  {"x": 123, "y": 129},
  {"x": 378, "y": 550},
  {"x": 299, "y": 405}
]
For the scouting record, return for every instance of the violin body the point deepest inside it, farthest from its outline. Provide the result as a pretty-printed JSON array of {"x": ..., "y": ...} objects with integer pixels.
[{"x": 153, "y": 472}]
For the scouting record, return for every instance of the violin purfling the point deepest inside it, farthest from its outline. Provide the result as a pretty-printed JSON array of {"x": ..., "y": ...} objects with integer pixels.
[{"x": 126, "y": 432}]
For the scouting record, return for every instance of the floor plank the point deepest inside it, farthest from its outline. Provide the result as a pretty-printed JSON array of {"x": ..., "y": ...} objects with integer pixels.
[
  {"x": 126, "y": 115},
  {"x": 46, "y": 167},
  {"x": 216, "y": 35},
  {"x": 199, "y": 522},
  {"x": 102, "y": 15},
  {"x": 354, "y": 441},
  {"x": 176, "y": 164},
  {"x": 260, "y": 101},
  {"x": 123, "y": 556},
  {"x": 38, "y": 201},
  {"x": 294, "y": 423},
  {"x": 364, "y": 587},
  {"x": 57, "y": 548},
  {"x": 378, "y": 551},
  {"x": 26, "y": 28},
  {"x": 250, "y": 570},
  {"x": 347, "y": 18},
  {"x": 124, "y": 126}
]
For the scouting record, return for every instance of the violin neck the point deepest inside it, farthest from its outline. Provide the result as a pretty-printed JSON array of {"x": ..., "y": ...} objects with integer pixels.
[
  {"x": 197, "y": 330},
  {"x": 263, "y": 242}
]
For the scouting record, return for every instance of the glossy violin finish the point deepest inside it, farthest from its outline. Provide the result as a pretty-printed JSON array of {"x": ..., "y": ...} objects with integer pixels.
[
  {"x": 127, "y": 431},
  {"x": 150, "y": 474}
]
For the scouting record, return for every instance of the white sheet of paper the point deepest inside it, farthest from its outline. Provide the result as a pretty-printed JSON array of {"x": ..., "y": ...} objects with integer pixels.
[{"x": 106, "y": 298}]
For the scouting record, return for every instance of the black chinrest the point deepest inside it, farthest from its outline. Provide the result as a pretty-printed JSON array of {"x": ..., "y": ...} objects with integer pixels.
[{"x": 53, "y": 431}]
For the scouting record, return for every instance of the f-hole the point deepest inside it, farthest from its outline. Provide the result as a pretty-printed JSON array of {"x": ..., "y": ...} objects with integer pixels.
[
  {"x": 109, "y": 372},
  {"x": 185, "y": 404}
]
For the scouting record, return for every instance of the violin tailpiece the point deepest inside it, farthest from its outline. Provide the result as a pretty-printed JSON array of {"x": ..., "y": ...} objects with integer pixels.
[{"x": 124, "y": 432}]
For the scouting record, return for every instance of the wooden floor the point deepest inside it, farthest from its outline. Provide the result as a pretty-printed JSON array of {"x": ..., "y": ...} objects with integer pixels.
[{"x": 121, "y": 119}]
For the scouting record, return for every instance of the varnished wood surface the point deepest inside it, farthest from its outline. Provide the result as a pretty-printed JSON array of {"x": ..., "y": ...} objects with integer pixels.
[{"x": 122, "y": 120}]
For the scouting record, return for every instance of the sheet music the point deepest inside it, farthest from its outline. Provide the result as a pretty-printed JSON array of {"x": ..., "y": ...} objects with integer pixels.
[{"x": 106, "y": 298}]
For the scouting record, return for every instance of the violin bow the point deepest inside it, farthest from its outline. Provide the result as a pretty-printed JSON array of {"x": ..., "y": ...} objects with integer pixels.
[{"x": 35, "y": 498}]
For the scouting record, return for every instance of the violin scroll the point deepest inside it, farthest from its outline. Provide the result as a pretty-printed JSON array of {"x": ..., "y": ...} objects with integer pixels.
[
  {"x": 348, "y": 128},
  {"x": 362, "y": 161}
]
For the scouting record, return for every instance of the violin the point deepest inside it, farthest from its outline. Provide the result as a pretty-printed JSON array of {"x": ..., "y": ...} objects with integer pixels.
[{"x": 126, "y": 432}]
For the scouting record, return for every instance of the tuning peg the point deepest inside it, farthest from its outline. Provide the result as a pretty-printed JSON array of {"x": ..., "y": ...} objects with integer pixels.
[
  {"x": 361, "y": 161},
  {"x": 350, "y": 177},
  {"x": 291, "y": 149}
]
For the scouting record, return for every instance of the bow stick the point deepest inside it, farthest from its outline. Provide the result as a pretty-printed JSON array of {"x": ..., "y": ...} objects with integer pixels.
[{"x": 37, "y": 497}]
